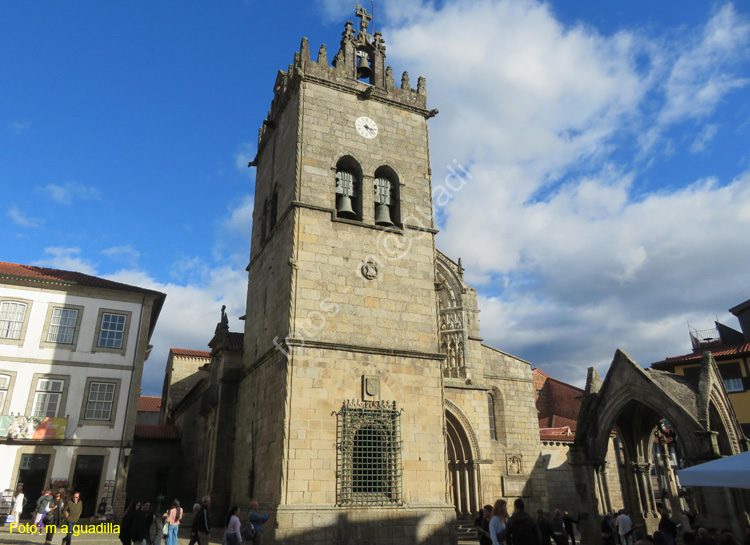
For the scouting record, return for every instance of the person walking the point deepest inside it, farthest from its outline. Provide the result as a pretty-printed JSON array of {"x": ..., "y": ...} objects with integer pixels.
[
  {"x": 522, "y": 528},
  {"x": 608, "y": 534},
  {"x": 54, "y": 517},
  {"x": 624, "y": 528},
  {"x": 174, "y": 516},
  {"x": 499, "y": 522},
  {"x": 72, "y": 515},
  {"x": 482, "y": 525},
  {"x": 138, "y": 528},
  {"x": 201, "y": 523},
  {"x": 18, "y": 502},
  {"x": 42, "y": 506},
  {"x": 127, "y": 522},
  {"x": 258, "y": 520},
  {"x": 155, "y": 528},
  {"x": 544, "y": 526},
  {"x": 232, "y": 535},
  {"x": 667, "y": 527},
  {"x": 558, "y": 529},
  {"x": 569, "y": 528}
]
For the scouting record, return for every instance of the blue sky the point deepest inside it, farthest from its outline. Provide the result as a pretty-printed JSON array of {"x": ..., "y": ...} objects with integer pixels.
[{"x": 608, "y": 142}]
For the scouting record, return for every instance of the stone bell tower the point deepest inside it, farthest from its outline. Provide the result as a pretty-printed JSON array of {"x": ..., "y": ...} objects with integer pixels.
[{"x": 340, "y": 419}]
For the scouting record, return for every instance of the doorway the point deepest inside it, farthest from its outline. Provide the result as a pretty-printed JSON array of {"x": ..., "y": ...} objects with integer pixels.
[
  {"x": 32, "y": 472},
  {"x": 86, "y": 480}
]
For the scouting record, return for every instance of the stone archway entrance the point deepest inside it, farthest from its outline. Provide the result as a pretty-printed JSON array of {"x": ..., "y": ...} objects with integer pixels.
[
  {"x": 463, "y": 469},
  {"x": 635, "y": 403}
]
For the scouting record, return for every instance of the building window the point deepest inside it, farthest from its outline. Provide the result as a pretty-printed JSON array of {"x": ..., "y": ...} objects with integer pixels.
[
  {"x": 62, "y": 326},
  {"x": 369, "y": 461},
  {"x": 112, "y": 330},
  {"x": 491, "y": 411},
  {"x": 12, "y": 315},
  {"x": 4, "y": 387},
  {"x": 733, "y": 385},
  {"x": 100, "y": 401},
  {"x": 47, "y": 398}
]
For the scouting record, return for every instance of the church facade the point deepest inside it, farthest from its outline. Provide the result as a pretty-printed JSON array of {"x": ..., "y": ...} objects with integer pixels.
[{"x": 367, "y": 406}]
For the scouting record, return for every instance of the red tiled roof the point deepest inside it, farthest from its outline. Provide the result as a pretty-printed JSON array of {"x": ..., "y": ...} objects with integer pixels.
[
  {"x": 557, "y": 421},
  {"x": 564, "y": 434},
  {"x": 156, "y": 431},
  {"x": 728, "y": 351},
  {"x": 150, "y": 404},
  {"x": 32, "y": 272},
  {"x": 192, "y": 353},
  {"x": 560, "y": 382},
  {"x": 236, "y": 341}
]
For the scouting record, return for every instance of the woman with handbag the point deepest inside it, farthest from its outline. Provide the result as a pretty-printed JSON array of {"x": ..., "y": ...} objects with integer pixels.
[
  {"x": 174, "y": 515},
  {"x": 499, "y": 522}
]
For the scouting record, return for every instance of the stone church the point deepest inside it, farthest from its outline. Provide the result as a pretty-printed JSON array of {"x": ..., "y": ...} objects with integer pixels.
[{"x": 361, "y": 401}]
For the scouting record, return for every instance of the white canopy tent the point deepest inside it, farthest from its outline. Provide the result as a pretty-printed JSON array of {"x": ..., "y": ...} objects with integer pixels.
[{"x": 731, "y": 472}]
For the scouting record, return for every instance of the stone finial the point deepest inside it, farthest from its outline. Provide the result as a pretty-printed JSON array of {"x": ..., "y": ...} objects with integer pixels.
[
  {"x": 348, "y": 34},
  {"x": 422, "y": 86},
  {"x": 323, "y": 55},
  {"x": 389, "y": 77},
  {"x": 405, "y": 81},
  {"x": 338, "y": 60},
  {"x": 304, "y": 50},
  {"x": 377, "y": 41}
]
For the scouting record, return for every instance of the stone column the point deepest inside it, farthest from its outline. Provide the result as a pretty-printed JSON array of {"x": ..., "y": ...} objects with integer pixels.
[
  {"x": 477, "y": 498},
  {"x": 466, "y": 487}
]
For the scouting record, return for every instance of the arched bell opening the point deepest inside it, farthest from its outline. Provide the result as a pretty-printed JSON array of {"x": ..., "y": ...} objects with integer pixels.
[
  {"x": 348, "y": 189},
  {"x": 386, "y": 189}
]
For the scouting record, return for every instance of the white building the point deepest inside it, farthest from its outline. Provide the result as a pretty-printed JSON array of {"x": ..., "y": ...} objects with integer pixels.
[{"x": 72, "y": 348}]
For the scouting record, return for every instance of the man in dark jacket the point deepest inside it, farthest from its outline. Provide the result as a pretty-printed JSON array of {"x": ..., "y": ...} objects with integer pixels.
[
  {"x": 522, "y": 529},
  {"x": 72, "y": 514},
  {"x": 667, "y": 527},
  {"x": 569, "y": 528},
  {"x": 482, "y": 525},
  {"x": 139, "y": 524},
  {"x": 544, "y": 527},
  {"x": 201, "y": 523}
]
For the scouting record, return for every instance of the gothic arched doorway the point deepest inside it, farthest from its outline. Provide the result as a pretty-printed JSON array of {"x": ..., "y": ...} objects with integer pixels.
[{"x": 463, "y": 469}]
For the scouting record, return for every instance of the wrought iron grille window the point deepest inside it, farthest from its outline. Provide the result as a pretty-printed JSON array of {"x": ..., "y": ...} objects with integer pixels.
[{"x": 369, "y": 453}]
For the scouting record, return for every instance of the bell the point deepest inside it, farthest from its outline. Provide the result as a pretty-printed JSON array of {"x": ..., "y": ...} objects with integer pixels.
[
  {"x": 383, "y": 215},
  {"x": 363, "y": 67},
  {"x": 344, "y": 209}
]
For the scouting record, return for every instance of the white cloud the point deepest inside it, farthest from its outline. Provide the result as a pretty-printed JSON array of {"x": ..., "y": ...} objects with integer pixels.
[
  {"x": 68, "y": 259},
  {"x": 125, "y": 253},
  {"x": 64, "y": 194},
  {"x": 573, "y": 257},
  {"x": 703, "y": 72},
  {"x": 704, "y": 138},
  {"x": 20, "y": 126},
  {"x": 190, "y": 314},
  {"x": 19, "y": 218}
]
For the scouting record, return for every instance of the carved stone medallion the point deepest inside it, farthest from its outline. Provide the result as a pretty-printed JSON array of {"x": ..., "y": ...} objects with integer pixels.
[{"x": 369, "y": 269}]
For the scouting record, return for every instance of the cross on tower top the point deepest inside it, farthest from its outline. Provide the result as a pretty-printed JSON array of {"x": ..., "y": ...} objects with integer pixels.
[{"x": 364, "y": 17}]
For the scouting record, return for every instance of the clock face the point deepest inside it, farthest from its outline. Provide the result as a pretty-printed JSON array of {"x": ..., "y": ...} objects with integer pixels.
[{"x": 366, "y": 127}]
